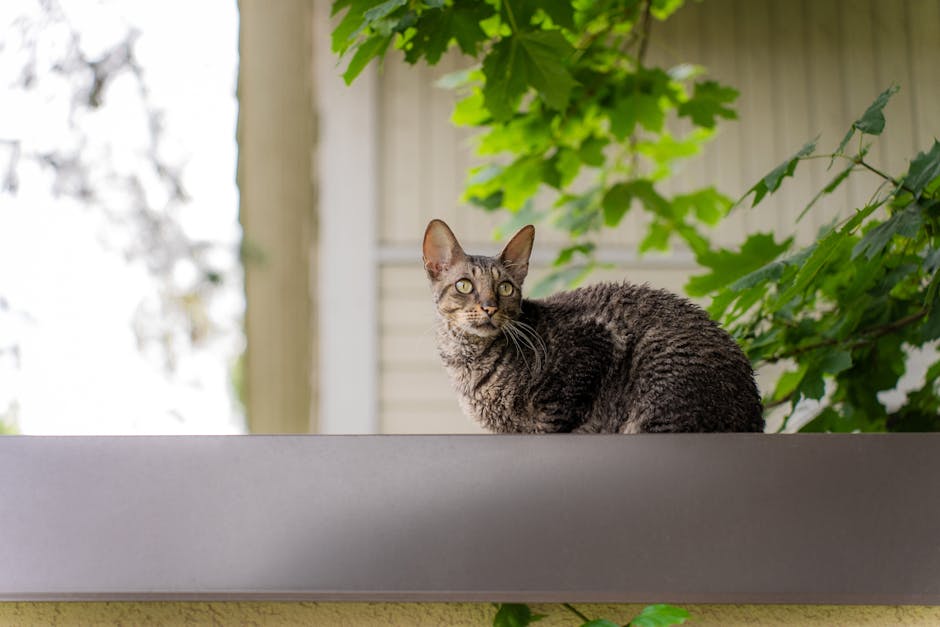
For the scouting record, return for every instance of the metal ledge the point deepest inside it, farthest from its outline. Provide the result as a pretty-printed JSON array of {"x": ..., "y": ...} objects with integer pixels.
[{"x": 721, "y": 518}]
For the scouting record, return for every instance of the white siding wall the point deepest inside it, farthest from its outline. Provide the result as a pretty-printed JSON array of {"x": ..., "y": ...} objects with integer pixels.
[{"x": 803, "y": 68}]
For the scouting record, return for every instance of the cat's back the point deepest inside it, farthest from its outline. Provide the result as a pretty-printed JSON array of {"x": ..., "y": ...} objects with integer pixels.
[
  {"x": 663, "y": 351},
  {"x": 624, "y": 305}
]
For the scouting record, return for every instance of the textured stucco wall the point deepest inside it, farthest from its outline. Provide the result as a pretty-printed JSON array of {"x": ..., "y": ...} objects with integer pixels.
[{"x": 421, "y": 614}]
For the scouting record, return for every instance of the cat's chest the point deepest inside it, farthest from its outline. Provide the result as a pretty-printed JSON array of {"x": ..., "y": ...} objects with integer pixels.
[{"x": 494, "y": 393}]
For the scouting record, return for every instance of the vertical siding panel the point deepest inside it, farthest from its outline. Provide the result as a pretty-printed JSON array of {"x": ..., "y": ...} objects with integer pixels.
[
  {"x": 861, "y": 86},
  {"x": 756, "y": 73},
  {"x": 792, "y": 122},
  {"x": 439, "y": 177},
  {"x": 893, "y": 65},
  {"x": 401, "y": 149},
  {"x": 690, "y": 173},
  {"x": 924, "y": 21},
  {"x": 827, "y": 93},
  {"x": 723, "y": 156}
]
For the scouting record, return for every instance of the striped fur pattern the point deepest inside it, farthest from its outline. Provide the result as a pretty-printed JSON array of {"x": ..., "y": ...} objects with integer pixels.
[{"x": 609, "y": 358}]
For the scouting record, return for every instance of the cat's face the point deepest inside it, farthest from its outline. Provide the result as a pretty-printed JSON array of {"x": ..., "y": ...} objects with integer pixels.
[{"x": 477, "y": 295}]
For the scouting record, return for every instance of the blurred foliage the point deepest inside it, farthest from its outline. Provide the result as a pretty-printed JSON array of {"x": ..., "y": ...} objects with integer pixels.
[
  {"x": 565, "y": 105},
  {"x": 141, "y": 198}
]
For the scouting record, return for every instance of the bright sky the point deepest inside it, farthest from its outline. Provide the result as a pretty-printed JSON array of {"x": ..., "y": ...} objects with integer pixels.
[{"x": 71, "y": 294}]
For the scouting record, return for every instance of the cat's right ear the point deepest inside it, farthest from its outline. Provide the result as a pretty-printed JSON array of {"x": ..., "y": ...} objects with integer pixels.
[
  {"x": 515, "y": 255},
  {"x": 441, "y": 249}
]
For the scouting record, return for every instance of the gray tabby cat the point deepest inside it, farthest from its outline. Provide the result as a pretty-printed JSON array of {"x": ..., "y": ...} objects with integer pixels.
[{"x": 609, "y": 358}]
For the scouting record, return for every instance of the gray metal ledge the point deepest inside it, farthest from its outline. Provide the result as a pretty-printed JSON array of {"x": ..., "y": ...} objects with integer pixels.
[{"x": 850, "y": 519}]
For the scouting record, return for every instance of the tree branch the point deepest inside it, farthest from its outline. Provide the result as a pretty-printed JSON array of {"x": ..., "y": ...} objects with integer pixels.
[{"x": 869, "y": 336}]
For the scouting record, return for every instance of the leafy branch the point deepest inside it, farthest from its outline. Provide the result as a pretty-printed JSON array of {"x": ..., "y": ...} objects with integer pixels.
[
  {"x": 845, "y": 311},
  {"x": 573, "y": 123}
]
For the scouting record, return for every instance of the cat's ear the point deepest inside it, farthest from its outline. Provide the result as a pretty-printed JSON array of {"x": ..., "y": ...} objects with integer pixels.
[
  {"x": 441, "y": 249},
  {"x": 515, "y": 256}
]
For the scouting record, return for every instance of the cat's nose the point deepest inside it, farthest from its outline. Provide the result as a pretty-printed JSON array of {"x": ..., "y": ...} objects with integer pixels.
[{"x": 489, "y": 310}]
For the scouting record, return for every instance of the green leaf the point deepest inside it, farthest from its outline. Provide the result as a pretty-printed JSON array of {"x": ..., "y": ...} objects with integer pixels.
[
  {"x": 560, "y": 11},
  {"x": 581, "y": 213},
  {"x": 829, "y": 188},
  {"x": 650, "y": 113},
  {"x": 527, "y": 59},
  {"x": 660, "y": 615},
  {"x": 657, "y": 237},
  {"x": 931, "y": 328},
  {"x": 520, "y": 180},
  {"x": 788, "y": 383},
  {"x": 812, "y": 386},
  {"x": 827, "y": 421},
  {"x": 663, "y": 149},
  {"x": 765, "y": 274},
  {"x": 471, "y": 111},
  {"x": 616, "y": 203},
  {"x": 600, "y": 622},
  {"x": 771, "y": 182},
  {"x": 872, "y": 121},
  {"x": 906, "y": 222},
  {"x": 709, "y": 205},
  {"x": 566, "y": 254},
  {"x": 544, "y": 53},
  {"x": 833, "y": 361},
  {"x": 562, "y": 168},
  {"x": 592, "y": 151},
  {"x": 829, "y": 248},
  {"x": 370, "y": 48},
  {"x": 708, "y": 102},
  {"x": 465, "y": 23},
  {"x": 842, "y": 144},
  {"x": 924, "y": 168},
  {"x": 662, "y": 9},
  {"x": 432, "y": 34},
  {"x": 435, "y": 29},
  {"x": 617, "y": 200},
  {"x": 505, "y": 79},
  {"x": 515, "y": 615},
  {"x": 382, "y": 10},
  {"x": 727, "y": 266},
  {"x": 623, "y": 118},
  {"x": 631, "y": 109},
  {"x": 353, "y": 23}
]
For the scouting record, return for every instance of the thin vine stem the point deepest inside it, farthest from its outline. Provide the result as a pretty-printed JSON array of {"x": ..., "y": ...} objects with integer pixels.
[
  {"x": 868, "y": 336},
  {"x": 575, "y": 611},
  {"x": 864, "y": 164}
]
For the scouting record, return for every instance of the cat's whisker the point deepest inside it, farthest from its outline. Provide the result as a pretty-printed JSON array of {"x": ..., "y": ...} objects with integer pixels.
[
  {"x": 530, "y": 330},
  {"x": 512, "y": 335},
  {"x": 528, "y": 336}
]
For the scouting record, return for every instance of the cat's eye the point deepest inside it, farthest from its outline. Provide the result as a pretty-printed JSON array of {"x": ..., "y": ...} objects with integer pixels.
[
  {"x": 505, "y": 288},
  {"x": 464, "y": 286}
]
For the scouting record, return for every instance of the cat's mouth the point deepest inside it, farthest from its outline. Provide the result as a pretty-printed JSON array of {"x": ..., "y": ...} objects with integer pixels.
[{"x": 484, "y": 327}]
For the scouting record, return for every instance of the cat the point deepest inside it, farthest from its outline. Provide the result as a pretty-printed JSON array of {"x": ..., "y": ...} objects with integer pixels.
[{"x": 608, "y": 358}]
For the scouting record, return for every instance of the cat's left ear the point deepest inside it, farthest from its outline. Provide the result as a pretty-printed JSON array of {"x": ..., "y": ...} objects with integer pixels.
[
  {"x": 441, "y": 249},
  {"x": 515, "y": 255}
]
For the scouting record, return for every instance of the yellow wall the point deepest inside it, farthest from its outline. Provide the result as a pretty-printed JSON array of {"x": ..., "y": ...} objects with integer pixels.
[{"x": 437, "y": 614}]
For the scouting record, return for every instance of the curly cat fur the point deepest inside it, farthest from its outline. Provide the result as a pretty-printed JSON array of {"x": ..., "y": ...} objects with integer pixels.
[{"x": 609, "y": 358}]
